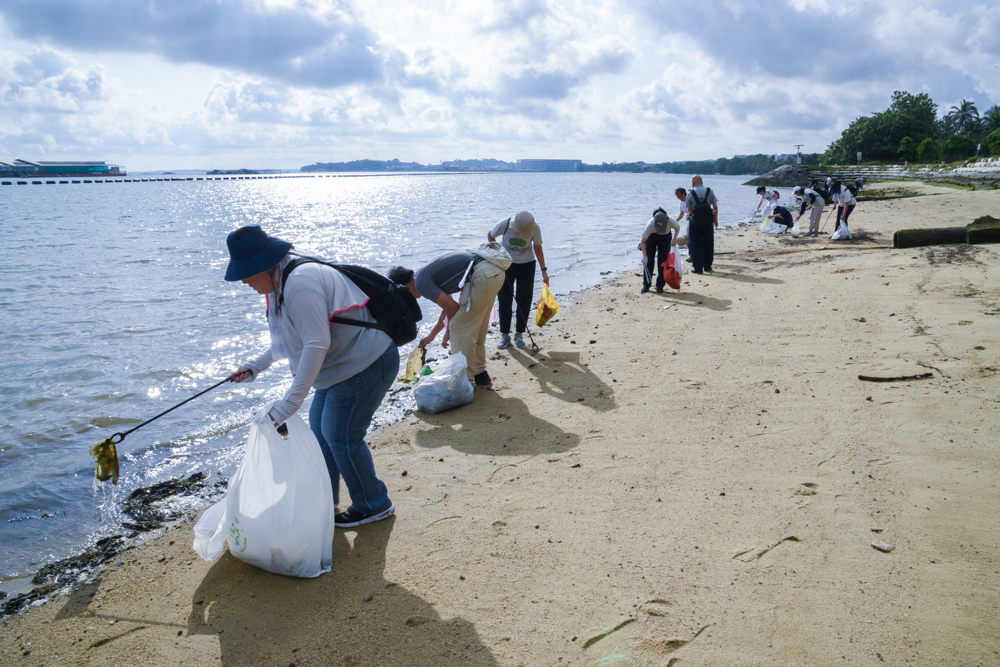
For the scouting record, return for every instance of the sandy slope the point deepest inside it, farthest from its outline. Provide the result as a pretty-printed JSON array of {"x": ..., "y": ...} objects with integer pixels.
[{"x": 677, "y": 479}]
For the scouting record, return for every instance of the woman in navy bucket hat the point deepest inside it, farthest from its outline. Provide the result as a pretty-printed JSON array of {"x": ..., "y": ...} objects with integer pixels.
[
  {"x": 350, "y": 368},
  {"x": 251, "y": 251}
]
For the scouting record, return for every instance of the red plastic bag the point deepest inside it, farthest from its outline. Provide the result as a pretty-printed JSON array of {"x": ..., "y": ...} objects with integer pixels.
[{"x": 670, "y": 274}]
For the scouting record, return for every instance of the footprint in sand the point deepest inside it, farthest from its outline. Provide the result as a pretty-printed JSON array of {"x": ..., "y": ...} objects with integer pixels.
[{"x": 806, "y": 489}]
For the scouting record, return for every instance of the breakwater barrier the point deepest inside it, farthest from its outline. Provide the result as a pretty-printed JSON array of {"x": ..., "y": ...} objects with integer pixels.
[{"x": 150, "y": 179}]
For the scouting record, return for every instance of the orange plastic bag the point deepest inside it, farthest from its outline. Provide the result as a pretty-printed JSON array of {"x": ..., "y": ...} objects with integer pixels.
[
  {"x": 547, "y": 306},
  {"x": 670, "y": 273}
]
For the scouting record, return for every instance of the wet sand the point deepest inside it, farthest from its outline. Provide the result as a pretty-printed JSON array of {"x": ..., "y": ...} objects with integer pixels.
[{"x": 690, "y": 478}]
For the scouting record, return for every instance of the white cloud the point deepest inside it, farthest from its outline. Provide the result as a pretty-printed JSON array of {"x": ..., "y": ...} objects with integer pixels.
[
  {"x": 318, "y": 44},
  {"x": 290, "y": 82}
]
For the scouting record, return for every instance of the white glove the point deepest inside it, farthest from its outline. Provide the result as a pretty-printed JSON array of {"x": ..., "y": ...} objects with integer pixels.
[
  {"x": 246, "y": 368},
  {"x": 262, "y": 417}
]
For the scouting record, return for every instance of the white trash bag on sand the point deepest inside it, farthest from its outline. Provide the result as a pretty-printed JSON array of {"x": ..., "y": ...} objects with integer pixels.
[
  {"x": 842, "y": 232},
  {"x": 446, "y": 388},
  {"x": 769, "y": 226},
  {"x": 684, "y": 234},
  {"x": 278, "y": 512}
]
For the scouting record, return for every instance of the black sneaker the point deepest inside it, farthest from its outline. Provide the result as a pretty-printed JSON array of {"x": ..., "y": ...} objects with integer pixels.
[
  {"x": 352, "y": 517},
  {"x": 643, "y": 290},
  {"x": 484, "y": 379},
  {"x": 659, "y": 290}
]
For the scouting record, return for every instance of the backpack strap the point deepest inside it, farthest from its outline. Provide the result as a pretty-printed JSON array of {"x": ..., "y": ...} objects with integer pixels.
[{"x": 299, "y": 261}]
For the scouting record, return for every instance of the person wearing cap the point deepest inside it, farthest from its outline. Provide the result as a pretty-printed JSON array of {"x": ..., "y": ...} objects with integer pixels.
[
  {"x": 781, "y": 216},
  {"x": 350, "y": 368},
  {"x": 657, "y": 239},
  {"x": 814, "y": 201},
  {"x": 477, "y": 281},
  {"x": 522, "y": 239}
]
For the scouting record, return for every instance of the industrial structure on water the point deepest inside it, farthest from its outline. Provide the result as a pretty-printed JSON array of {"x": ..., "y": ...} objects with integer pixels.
[{"x": 26, "y": 169}]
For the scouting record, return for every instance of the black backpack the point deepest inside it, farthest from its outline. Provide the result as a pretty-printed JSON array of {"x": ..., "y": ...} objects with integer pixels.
[
  {"x": 853, "y": 189},
  {"x": 393, "y": 306},
  {"x": 701, "y": 213}
]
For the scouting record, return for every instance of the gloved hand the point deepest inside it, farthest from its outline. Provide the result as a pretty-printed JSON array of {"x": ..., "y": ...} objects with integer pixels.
[
  {"x": 262, "y": 417},
  {"x": 244, "y": 374}
]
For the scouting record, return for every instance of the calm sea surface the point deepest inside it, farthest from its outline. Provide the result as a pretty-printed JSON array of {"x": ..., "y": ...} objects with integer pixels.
[{"x": 114, "y": 309}]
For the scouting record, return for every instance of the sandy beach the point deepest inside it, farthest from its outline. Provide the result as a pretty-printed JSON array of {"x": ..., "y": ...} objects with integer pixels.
[{"x": 690, "y": 478}]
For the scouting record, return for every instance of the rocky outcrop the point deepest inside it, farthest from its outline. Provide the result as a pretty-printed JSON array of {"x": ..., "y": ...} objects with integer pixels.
[{"x": 785, "y": 175}]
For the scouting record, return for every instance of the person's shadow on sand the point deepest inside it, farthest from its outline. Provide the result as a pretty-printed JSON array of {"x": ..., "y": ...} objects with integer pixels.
[
  {"x": 493, "y": 425},
  {"x": 562, "y": 375},
  {"x": 349, "y": 616}
]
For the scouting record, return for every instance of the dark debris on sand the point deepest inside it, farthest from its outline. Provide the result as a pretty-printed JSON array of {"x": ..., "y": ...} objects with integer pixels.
[{"x": 142, "y": 517}]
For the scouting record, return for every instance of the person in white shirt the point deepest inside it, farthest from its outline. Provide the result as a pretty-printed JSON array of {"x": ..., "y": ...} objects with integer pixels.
[
  {"x": 521, "y": 236},
  {"x": 814, "y": 201},
  {"x": 844, "y": 199},
  {"x": 349, "y": 368},
  {"x": 657, "y": 239}
]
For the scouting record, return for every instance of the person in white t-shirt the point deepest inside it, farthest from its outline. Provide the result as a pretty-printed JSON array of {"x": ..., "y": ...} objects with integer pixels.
[
  {"x": 844, "y": 200},
  {"x": 522, "y": 238},
  {"x": 659, "y": 237},
  {"x": 814, "y": 201}
]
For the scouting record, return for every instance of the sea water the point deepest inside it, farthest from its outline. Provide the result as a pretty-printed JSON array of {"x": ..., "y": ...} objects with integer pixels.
[{"x": 114, "y": 308}]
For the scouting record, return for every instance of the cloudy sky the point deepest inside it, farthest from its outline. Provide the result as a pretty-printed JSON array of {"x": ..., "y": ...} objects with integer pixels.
[{"x": 156, "y": 84}]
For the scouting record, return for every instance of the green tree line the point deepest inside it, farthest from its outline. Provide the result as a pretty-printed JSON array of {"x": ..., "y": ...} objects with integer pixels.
[
  {"x": 747, "y": 164},
  {"x": 910, "y": 129}
]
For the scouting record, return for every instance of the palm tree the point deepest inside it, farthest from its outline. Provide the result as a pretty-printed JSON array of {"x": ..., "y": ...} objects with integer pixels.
[
  {"x": 991, "y": 119},
  {"x": 964, "y": 116}
]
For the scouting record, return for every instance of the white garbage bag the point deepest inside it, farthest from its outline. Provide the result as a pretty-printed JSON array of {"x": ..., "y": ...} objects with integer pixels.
[
  {"x": 796, "y": 231},
  {"x": 842, "y": 232},
  {"x": 684, "y": 234},
  {"x": 278, "y": 512},
  {"x": 446, "y": 388}
]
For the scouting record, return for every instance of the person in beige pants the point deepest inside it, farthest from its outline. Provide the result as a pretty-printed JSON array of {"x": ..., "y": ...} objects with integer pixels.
[{"x": 479, "y": 281}]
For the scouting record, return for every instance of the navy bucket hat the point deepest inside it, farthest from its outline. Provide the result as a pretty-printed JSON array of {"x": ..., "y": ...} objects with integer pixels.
[{"x": 251, "y": 251}]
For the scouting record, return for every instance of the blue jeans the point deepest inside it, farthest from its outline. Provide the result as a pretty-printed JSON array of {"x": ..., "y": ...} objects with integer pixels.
[{"x": 340, "y": 416}]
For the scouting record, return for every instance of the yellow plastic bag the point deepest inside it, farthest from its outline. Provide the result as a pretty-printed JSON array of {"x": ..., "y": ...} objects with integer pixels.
[{"x": 547, "y": 306}]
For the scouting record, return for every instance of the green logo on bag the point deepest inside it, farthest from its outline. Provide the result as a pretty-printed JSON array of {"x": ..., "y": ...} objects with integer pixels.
[{"x": 234, "y": 535}]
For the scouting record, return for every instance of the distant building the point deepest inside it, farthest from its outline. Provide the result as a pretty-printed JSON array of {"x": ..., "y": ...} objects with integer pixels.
[
  {"x": 68, "y": 168},
  {"x": 548, "y": 165}
]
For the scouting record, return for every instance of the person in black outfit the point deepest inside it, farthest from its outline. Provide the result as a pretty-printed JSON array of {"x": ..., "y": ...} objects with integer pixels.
[
  {"x": 782, "y": 216},
  {"x": 703, "y": 209}
]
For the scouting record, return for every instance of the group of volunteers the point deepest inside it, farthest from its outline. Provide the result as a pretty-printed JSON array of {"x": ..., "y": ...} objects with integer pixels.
[
  {"x": 700, "y": 208},
  {"x": 778, "y": 219},
  {"x": 321, "y": 321}
]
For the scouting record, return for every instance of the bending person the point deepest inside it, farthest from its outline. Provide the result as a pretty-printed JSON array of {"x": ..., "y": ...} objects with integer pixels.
[
  {"x": 657, "y": 239},
  {"x": 845, "y": 201},
  {"x": 814, "y": 201},
  {"x": 478, "y": 280},
  {"x": 350, "y": 367},
  {"x": 522, "y": 239}
]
